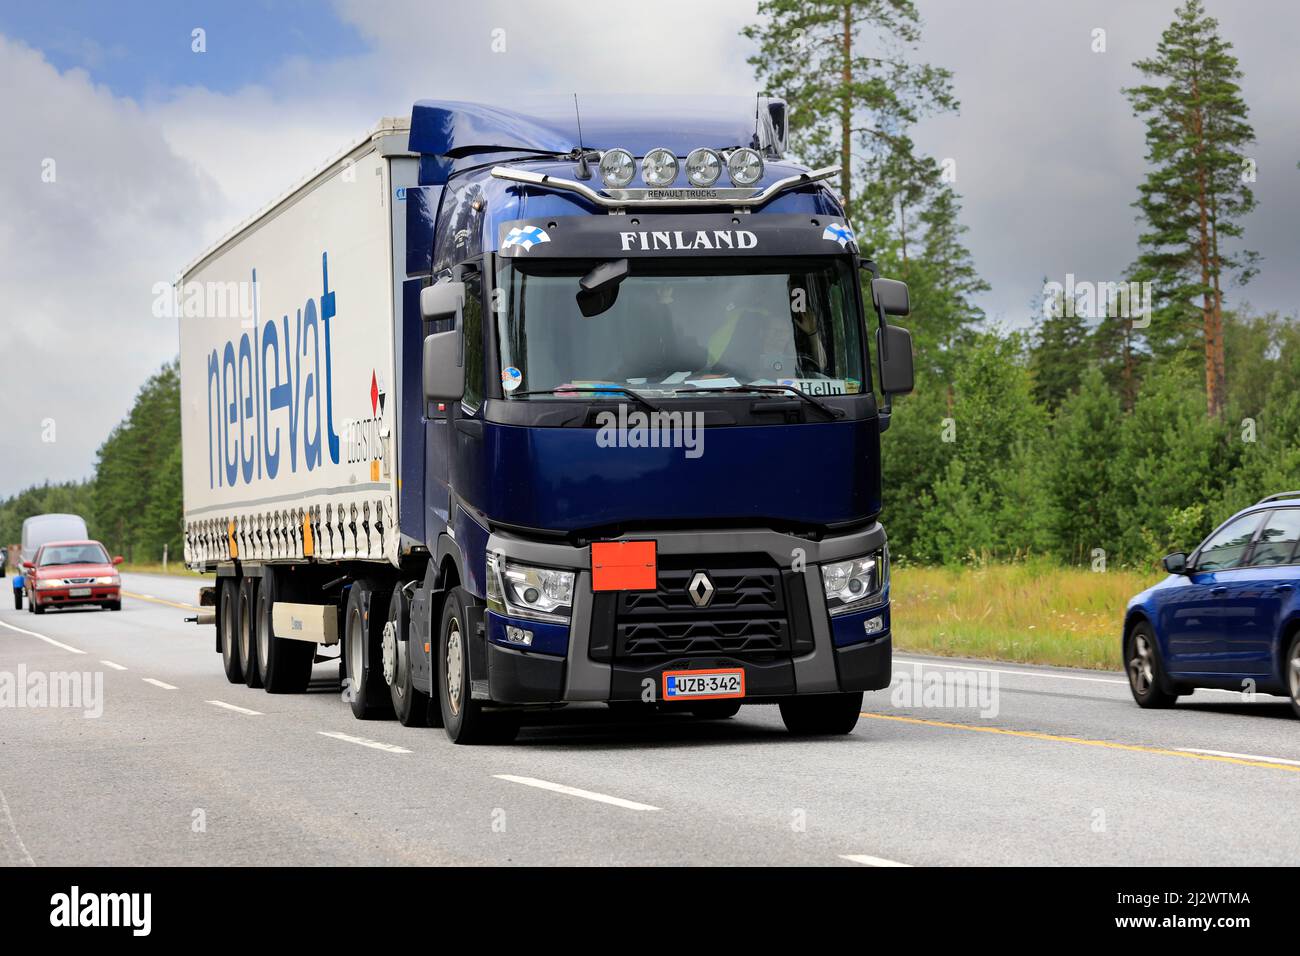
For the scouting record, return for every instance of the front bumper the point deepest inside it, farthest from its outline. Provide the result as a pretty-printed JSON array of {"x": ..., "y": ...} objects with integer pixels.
[
  {"x": 586, "y": 660},
  {"x": 64, "y": 597}
]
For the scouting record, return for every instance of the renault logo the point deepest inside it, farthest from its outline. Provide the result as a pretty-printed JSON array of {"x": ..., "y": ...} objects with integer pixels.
[{"x": 700, "y": 589}]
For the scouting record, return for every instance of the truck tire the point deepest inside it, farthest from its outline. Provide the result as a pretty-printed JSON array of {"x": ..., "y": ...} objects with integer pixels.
[
  {"x": 285, "y": 664},
  {"x": 410, "y": 705},
  {"x": 247, "y": 628},
  {"x": 821, "y": 714},
  {"x": 228, "y": 628},
  {"x": 363, "y": 626},
  {"x": 465, "y": 720}
]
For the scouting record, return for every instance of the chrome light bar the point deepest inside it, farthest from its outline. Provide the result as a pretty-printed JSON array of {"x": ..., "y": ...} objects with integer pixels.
[{"x": 668, "y": 195}]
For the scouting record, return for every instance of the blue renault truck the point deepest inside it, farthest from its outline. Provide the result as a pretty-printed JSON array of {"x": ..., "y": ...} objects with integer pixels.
[{"x": 509, "y": 411}]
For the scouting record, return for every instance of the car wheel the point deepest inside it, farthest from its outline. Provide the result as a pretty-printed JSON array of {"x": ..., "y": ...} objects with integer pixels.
[
  {"x": 363, "y": 625},
  {"x": 1146, "y": 678},
  {"x": 465, "y": 720},
  {"x": 228, "y": 627},
  {"x": 1293, "y": 672},
  {"x": 247, "y": 619},
  {"x": 409, "y": 704},
  {"x": 821, "y": 714}
]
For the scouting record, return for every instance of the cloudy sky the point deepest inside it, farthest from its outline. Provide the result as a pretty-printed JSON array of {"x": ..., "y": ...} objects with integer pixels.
[{"x": 157, "y": 150}]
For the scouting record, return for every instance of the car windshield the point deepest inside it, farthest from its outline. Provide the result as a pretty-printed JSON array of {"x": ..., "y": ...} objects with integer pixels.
[
  {"x": 677, "y": 326},
  {"x": 73, "y": 554}
]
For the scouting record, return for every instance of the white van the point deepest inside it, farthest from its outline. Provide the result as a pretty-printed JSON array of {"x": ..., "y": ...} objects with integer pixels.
[{"x": 42, "y": 529}]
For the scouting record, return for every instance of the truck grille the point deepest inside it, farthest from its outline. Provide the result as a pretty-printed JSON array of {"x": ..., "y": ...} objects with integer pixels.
[{"x": 745, "y": 616}]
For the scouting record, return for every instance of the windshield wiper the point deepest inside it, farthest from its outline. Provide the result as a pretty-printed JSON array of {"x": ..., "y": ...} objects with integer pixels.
[
  {"x": 561, "y": 389},
  {"x": 772, "y": 390}
]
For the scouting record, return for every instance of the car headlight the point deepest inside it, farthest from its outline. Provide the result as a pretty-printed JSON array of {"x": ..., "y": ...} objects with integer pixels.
[
  {"x": 856, "y": 584},
  {"x": 111, "y": 580},
  {"x": 50, "y": 583},
  {"x": 519, "y": 590}
]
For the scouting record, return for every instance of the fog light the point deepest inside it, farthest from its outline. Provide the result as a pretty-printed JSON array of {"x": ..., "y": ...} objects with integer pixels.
[
  {"x": 519, "y": 636},
  {"x": 874, "y": 625}
]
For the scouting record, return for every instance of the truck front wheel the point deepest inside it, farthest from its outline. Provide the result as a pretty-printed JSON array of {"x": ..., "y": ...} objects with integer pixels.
[
  {"x": 821, "y": 714},
  {"x": 464, "y": 719}
]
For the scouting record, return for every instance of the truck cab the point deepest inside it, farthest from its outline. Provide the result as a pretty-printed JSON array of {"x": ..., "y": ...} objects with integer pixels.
[{"x": 651, "y": 421}]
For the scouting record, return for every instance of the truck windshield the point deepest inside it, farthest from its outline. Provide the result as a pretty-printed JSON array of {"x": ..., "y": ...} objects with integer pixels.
[{"x": 679, "y": 325}]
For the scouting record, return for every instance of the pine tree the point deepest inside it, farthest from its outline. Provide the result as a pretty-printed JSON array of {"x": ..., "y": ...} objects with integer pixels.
[{"x": 1197, "y": 190}]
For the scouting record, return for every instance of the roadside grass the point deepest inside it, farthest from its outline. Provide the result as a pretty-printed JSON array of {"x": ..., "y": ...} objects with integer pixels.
[
  {"x": 1032, "y": 613},
  {"x": 175, "y": 569}
]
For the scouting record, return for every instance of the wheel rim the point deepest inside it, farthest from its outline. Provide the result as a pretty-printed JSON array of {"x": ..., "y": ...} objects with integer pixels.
[
  {"x": 390, "y": 653},
  {"x": 1295, "y": 673},
  {"x": 354, "y": 649},
  {"x": 1141, "y": 667},
  {"x": 454, "y": 666}
]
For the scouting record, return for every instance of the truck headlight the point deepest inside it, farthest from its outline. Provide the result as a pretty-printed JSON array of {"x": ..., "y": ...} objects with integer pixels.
[
  {"x": 703, "y": 167},
  {"x": 745, "y": 166},
  {"x": 520, "y": 590},
  {"x": 617, "y": 167},
  {"x": 856, "y": 584}
]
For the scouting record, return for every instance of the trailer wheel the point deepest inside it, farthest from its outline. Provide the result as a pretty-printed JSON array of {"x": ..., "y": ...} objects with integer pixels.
[
  {"x": 248, "y": 630},
  {"x": 822, "y": 714},
  {"x": 227, "y": 627},
  {"x": 409, "y": 704},
  {"x": 363, "y": 626},
  {"x": 465, "y": 720},
  {"x": 285, "y": 664}
]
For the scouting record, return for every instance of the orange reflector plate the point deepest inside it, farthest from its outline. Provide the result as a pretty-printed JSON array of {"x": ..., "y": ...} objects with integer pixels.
[{"x": 623, "y": 566}]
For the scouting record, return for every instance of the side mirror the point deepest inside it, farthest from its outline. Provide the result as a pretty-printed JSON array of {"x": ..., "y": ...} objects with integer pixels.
[
  {"x": 442, "y": 300},
  {"x": 118, "y": 559},
  {"x": 28, "y": 566},
  {"x": 444, "y": 371},
  {"x": 894, "y": 356},
  {"x": 1175, "y": 563},
  {"x": 891, "y": 296}
]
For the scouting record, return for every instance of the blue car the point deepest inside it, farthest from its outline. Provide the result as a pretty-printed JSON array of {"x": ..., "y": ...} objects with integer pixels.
[{"x": 1227, "y": 617}]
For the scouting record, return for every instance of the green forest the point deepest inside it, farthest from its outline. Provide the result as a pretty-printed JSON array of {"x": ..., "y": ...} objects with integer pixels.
[{"x": 1099, "y": 434}]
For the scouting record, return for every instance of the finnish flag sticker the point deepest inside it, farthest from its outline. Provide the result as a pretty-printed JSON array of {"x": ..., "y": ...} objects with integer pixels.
[
  {"x": 525, "y": 237},
  {"x": 838, "y": 232}
]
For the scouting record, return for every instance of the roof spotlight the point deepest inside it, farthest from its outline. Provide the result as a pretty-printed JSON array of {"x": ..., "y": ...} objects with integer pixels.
[
  {"x": 617, "y": 167},
  {"x": 745, "y": 166},
  {"x": 703, "y": 167},
  {"x": 659, "y": 167}
]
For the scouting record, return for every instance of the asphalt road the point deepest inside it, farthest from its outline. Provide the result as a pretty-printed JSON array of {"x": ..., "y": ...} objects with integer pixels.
[{"x": 181, "y": 767}]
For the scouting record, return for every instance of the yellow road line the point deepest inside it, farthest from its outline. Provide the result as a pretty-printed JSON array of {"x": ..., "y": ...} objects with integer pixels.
[
  {"x": 1084, "y": 741},
  {"x": 154, "y": 600}
]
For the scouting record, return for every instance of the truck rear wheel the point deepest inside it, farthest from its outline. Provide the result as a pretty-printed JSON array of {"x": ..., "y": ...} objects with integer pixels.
[
  {"x": 464, "y": 719},
  {"x": 362, "y": 633},
  {"x": 248, "y": 630},
  {"x": 410, "y": 705},
  {"x": 285, "y": 664},
  {"x": 228, "y": 628},
  {"x": 821, "y": 714}
]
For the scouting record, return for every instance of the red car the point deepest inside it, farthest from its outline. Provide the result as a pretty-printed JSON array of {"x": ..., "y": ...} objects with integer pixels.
[{"x": 66, "y": 573}]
